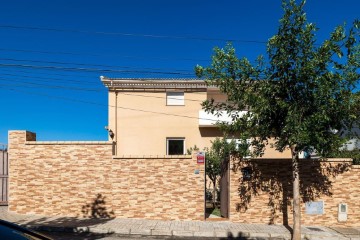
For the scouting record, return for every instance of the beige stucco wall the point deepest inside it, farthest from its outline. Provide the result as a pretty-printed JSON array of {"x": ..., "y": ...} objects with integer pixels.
[
  {"x": 144, "y": 122},
  {"x": 71, "y": 178},
  {"x": 267, "y": 196}
]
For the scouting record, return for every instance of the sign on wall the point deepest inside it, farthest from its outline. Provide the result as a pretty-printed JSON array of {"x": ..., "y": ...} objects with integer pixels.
[
  {"x": 314, "y": 208},
  {"x": 200, "y": 157}
]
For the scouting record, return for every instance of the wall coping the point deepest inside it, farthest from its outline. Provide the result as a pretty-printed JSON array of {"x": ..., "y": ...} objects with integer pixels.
[
  {"x": 304, "y": 159},
  {"x": 68, "y": 143},
  {"x": 152, "y": 157}
]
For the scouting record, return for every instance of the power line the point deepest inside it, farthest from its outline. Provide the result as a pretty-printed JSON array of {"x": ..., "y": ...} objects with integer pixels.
[
  {"x": 103, "y": 105},
  {"x": 104, "y": 55},
  {"x": 51, "y": 86},
  {"x": 73, "y": 88},
  {"x": 51, "y": 73},
  {"x": 44, "y": 79},
  {"x": 77, "y": 88},
  {"x": 132, "y": 34},
  {"x": 90, "y": 69},
  {"x": 84, "y": 64},
  {"x": 49, "y": 79}
]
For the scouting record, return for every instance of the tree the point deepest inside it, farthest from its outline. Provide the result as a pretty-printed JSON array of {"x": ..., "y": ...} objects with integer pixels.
[
  {"x": 220, "y": 149},
  {"x": 343, "y": 153},
  {"x": 302, "y": 96}
]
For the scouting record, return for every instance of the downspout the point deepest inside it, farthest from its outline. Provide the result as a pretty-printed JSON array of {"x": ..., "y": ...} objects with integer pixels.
[{"x": 116, "y": 119}]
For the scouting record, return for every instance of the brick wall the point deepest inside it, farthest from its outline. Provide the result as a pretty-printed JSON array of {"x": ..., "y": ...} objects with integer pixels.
[
  {"x": 84, "y": 179},
  {"x": 267, "y": 196}
]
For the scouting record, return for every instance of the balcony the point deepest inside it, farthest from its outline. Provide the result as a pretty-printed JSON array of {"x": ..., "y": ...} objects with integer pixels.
[{"x": 210, "y": 120}]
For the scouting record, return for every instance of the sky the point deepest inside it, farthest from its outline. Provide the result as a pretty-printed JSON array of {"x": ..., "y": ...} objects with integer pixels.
[{"x": 52, "y": 53}]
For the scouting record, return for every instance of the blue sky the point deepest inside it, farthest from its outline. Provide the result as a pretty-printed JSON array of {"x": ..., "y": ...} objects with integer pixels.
[{"x": 53, "y": 52}]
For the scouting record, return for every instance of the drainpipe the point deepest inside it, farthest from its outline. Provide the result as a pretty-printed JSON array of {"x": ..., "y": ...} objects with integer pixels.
[{"x": 116, "y": 119}]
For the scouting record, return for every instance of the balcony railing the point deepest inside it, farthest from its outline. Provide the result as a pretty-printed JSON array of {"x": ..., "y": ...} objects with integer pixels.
[{"x": 210, "y": 120}]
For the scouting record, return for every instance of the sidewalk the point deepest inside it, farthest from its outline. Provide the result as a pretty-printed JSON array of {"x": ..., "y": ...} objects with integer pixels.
[{"x": 199, "y": 229}]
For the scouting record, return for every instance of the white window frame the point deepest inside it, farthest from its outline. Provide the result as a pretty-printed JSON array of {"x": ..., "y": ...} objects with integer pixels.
[
  {"x": 175, "y": 138},
  {"x": 175, "y": 98}
]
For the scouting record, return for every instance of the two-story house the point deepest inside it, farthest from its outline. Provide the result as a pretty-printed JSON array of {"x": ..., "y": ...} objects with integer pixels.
[{"x": 163, "y": 116}]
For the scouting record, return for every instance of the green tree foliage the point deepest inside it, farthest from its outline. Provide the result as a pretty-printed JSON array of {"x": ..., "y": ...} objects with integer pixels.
[
  {"x": 190, "y": 150},
  {"x": 353, "y": 154},
  {"x": 299, "y": 95},
  {"x": 220, "y": 150}
]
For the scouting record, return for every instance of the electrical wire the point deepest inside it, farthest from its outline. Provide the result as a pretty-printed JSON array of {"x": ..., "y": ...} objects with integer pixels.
[
  {"x": 50, "y": 79},
  {"x": 104, "y": 55},
  {"x": 86, "y": 64},
  {"x": 52, "y": 86},
  {"x": 179, "y": 37},
  {"x": 105, "y": 105},
  {"x": 90, "y": 69},
  {"x": 51, "y": 73}
]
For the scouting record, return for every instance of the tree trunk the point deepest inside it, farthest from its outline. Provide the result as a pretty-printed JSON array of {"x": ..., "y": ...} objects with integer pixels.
[
  {"x": 296, "y": 197},
  {"x": 214, "y": 193}
]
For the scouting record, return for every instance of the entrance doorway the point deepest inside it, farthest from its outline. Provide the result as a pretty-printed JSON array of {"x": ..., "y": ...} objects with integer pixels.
[{"x": 217, "y": 195}]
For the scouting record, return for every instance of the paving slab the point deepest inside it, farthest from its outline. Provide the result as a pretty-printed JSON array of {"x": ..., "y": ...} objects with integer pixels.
[
  {"x": 197, "y": 229},
  {"x": 161, "y": 232},
  {"x": 139, "y": 231},
  {"x": 204, "y": 234},
  {"x": 351, "y": 232},
  {"x": 183, "y": 233},
  {"x": 222, "y": 234}
]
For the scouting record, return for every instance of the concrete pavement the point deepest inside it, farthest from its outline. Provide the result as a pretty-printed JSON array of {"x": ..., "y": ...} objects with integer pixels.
[{"x": 199, "y": 229}]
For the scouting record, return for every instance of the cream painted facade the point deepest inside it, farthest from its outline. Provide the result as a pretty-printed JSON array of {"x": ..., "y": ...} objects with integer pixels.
[{"x": 143, "y": 122}]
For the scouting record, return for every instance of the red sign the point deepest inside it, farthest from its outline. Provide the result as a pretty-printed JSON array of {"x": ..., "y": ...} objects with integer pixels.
[{"x": 200, "y": 157}]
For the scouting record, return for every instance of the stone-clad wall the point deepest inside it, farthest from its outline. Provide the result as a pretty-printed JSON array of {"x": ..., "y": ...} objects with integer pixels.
[
  {"x": 261, "y": 199},
  {"x": 84, "y": 179}
]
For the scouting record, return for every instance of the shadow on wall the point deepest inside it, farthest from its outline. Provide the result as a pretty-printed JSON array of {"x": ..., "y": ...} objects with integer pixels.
[
  {"x": 274, "y": 177},
  {"x": 97, "y": 209},
  {"x": 95, "y": 213}
]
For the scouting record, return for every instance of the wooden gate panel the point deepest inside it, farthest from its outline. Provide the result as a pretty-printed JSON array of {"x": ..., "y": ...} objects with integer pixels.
[{"x": 4, "y": 175}]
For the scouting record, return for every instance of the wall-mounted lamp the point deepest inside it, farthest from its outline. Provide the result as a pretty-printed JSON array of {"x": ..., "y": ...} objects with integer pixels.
[{"x": 111, "y": 133}]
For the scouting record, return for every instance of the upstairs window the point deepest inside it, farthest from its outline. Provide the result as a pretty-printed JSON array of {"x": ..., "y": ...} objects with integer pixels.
[
  {"x": 175, "y": 146},
  {"x": 175, "y": 99}
]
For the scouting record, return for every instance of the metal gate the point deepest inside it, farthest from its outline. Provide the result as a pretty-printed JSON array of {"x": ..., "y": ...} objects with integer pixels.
[
  {"x": 4, "y": 174},
  {"x": 224, "y": 188}
]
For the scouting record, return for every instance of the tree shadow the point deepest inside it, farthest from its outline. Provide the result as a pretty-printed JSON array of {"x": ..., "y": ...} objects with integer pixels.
[
  {"x": 77, "y": 235},
  {"x": 274, "y": 178},
  {"x": 239, "y": 236},
  {"x": 94, "y": 213},
  {"x": 97, "y": 209}
]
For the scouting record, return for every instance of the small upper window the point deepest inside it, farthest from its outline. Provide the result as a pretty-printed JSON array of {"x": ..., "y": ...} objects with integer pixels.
[
  {"x": 175, "y": 99},
  {"x": 175, "y": 146}
]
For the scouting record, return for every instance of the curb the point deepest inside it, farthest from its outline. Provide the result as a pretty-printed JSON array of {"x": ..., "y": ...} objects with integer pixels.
[
  {"x": 216, "y": 234},
  {"x": 163, "y": 232}
]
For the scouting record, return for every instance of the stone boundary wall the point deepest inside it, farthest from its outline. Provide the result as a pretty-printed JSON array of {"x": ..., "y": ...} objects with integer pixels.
[
  {"x": 85, "y": 179},
  {"x": 266, "y": 197}
]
